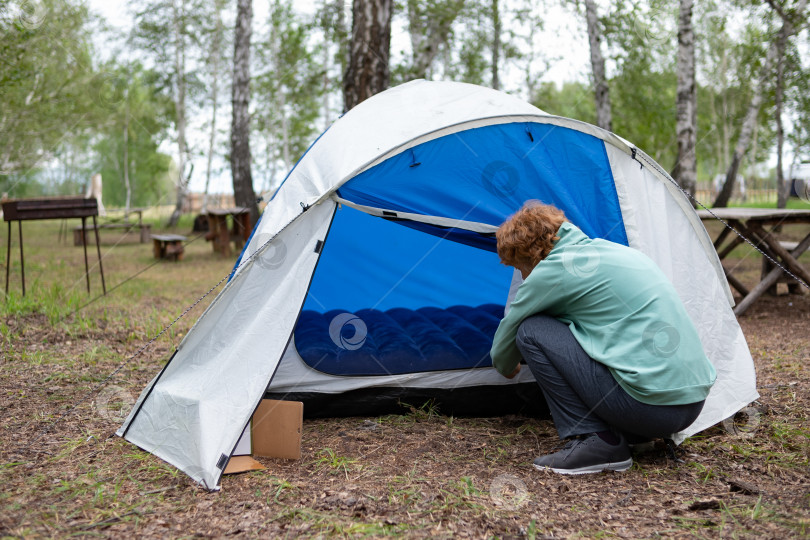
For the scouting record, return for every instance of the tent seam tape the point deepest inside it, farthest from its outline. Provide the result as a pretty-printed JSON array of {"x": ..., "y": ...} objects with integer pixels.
[{"x": 472, "y": 226}]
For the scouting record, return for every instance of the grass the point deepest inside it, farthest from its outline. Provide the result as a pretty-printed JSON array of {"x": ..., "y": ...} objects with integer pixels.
[
  {"x": 335, "y": 464},
  {"x": 139, "y": 306},
  {"x": 414, "y": 475},
  {"x": 793, "y": 203}
]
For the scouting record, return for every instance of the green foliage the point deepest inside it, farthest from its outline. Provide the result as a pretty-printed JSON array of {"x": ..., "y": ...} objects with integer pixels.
[
  {"x": 469, "y": 55},
  {"x": 643, "y": 97},
  {"x": 287, "y": 92},
  {"x": 730, "y": 65},
  {"x": 154, "y": 34},
  {"x": 46, "y": 78},
  {"x": 144, "y": 112},
  {"x": 334, "y": 463},
  {"x": 54, "y": 301},
  {"x": 572, "y": 100},
  {"x": 430, "y": 24},
  {"x": 641, "y": 52}
]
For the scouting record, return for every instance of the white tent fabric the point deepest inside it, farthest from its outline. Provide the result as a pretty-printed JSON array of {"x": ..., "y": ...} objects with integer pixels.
[
  {"x": 645, "y": 198},
  {"x": 197, "y": 407},
  {"x": 193, "y": 413}
]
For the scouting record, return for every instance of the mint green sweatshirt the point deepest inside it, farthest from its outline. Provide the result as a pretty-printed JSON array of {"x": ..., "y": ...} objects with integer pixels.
[{"x": 624, "y": 313}]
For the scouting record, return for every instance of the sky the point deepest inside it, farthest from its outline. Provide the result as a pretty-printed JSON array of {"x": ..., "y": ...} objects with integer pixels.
[{"x": 562, "y": 32}]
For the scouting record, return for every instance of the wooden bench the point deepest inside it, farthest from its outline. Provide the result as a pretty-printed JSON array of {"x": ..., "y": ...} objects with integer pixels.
[
  {"x": 144, "y": 230},
  {"x": 794, "y": 287},
  {"x": 168, "y": 246},
  {"x": 218, "y": 232}
]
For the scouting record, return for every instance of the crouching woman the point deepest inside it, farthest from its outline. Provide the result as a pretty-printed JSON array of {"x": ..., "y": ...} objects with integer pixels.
[{"x": 606, "y": 337}]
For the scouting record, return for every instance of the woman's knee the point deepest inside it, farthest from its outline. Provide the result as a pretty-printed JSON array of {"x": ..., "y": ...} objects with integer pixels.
[{"x": 532, "y": 330}]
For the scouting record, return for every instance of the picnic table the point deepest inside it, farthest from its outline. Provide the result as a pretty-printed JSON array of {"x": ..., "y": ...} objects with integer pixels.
[
  {"x": 757, "y": 225},
  {"x": 221, "y": 234}
]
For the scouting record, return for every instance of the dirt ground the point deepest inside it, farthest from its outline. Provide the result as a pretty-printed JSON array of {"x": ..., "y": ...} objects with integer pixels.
[{"x": 416, "y": 475}]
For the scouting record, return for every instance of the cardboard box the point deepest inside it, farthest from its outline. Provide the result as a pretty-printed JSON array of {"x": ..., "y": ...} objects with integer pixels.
[
  {"x": 277, "y": 427},
  {"x": 274, "y": 431}
]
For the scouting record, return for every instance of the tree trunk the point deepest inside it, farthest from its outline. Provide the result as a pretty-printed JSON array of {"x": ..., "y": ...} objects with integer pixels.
[
  {"x": 368, "y": 72},
  {"x": 240, "y": 127},
  {"x": 781, "y": 192},
  {"x": 342, "y": 35},
  {"x": 496, "y": 44},
  {"x": 327, "y": 117},
  {"x": 685, "y": 171},
  {"x": 285, "y": 130},
  {"x": 604, "y": 117},
  {"x": 281, "y": 98},
  {"x": 428, "y": 32},
  {"x": 749, "y": 124},
  {"x": 126, "y": 159},
  {"x": 725, "y": 116},
  {"x": 178, "y": 15},
  {"x": 216, "y": 45},
  {"x": 418, "y": 36}
]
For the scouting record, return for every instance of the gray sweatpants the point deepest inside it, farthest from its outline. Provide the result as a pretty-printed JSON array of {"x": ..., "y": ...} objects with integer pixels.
[{"x": 582, "y": 395}]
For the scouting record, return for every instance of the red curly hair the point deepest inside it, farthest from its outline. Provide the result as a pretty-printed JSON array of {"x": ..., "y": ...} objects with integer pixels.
[{"x": 526, "y": 238}]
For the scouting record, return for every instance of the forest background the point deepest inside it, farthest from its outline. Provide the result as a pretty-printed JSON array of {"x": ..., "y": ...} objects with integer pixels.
[{"x": 148, "y": 100}]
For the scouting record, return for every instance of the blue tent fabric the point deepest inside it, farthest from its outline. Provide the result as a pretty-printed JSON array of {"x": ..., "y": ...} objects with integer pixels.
[
  {"x": 411, "y": 290},
  {"x": 485, "y": 174},
  {"x": 372, "y": 263},
  {"x": 397, "y": 341}
]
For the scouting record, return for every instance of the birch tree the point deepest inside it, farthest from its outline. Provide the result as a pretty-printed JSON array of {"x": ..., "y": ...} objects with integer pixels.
[
  {"x": 781, "y": 192},
  {"x": 685, "y": 171},
  {"x": 292, "y": 82},
  {"x": 430, "y": 27},
  {"x": 214, "y": 65},
  {"x": 604, "y": 117},
  {"x": 369, "y": 51},
  {"x": 243, "y": 192},
  {"x": 126, "y": 146},
  {"x": 496, "y": 44},
  {"x": 331, "y": 21},
  {"x": 178, "y": 23},
  {"x": 788, "y": 28},
  {"x": 47, "y": 92},
  {"x": 169, "y": 31},
  {"x": 485, "y": 40}
]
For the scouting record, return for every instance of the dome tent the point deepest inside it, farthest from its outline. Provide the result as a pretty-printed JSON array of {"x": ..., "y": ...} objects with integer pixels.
[{"x": 373, "y": 268}]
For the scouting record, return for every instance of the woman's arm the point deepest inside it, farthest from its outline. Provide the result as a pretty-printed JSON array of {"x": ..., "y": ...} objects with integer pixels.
[{"x": 540, "y": 291}]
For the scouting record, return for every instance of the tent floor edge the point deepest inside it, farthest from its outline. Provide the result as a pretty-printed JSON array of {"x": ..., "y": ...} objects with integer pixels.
[{"x": 479, "y": 401}]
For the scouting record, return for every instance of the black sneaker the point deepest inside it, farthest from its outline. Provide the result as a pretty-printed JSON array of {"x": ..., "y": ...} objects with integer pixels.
[{"x": 587, "y": 454}]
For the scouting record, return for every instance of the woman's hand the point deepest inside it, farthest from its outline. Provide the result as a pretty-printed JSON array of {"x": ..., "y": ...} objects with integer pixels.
[{"x": 514, "y": 373}]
